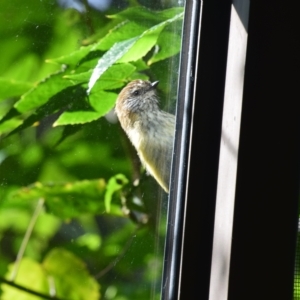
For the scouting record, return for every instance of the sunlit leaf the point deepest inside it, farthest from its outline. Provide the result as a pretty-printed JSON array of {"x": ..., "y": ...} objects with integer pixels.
[
  {"x": 89, "y": 240},
  {"x": 123, "y": 31},
  {"x": 40, "y": 94},
  {"x": 71, "y": 97},
  {"x": 130, "y": 50},
  {"x": 101, "y": 102},
  {"x": 142, "y": 14},
  {"x": 70, "y": 275},
  {"x": 11, "y": 88},
  {"x": 147, "y": 40},
  {"x": 9, "y": 125},
  {"x": 164, "y": 48},
  {"x": 74, "y": 57},
  {"x": 109, "y": 58},
  {"x": 112, "y": 78},
  {"x": 31, "y": 275}
]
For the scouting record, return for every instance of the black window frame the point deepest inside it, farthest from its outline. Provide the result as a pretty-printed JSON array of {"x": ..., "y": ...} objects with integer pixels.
[{"x": 266, "y": 198}]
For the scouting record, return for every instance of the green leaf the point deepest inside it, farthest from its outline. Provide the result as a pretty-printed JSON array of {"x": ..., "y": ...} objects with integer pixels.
[
  {"x": 129, "y": 50},
  {"x": 76, "y": 117},
  {"x": 140, "y": 65},
  {"x": 9, "y": 125},
  {"x": 71, "y": 277},
  {"x": 113, "y": 78},
  {"x": 68, "y": 273},
  {"x": 68, "y": 131},
  {"x": 142, "y": 14},
  {"x": 114, "y": 184},
  {"x": 134, "y": 21},
  {"x": 31, "y": 275},
  {"x": 123, "y": 31},
  {"x": 109, "y": 58},
  {"x": 72, "y": 97},
  {"x": 166, "y": 49},
  {"x": 101, "y": 102},
  {"x": 147, "y": 40},
  {"x": 66, "y": 200},
  {"x": 74, "y": 57},
  {"x": 42, "y": 92},
  {"x": 11, "y": 88},
  {"x": 89, "y": 240}
]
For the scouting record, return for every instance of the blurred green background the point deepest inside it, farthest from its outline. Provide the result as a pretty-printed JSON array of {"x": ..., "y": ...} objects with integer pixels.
[{"x": 76, "y": 206}]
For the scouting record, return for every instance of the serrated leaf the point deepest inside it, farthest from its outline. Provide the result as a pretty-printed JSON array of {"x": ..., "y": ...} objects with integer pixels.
[
  {"x": 129, "y": 50},
  {"x": 101, "y": 102},
  {"x": 12, "y": 88},
  {"x": 108, "y": 59},
  {"x": 140, "y": 65},
  {"x": 76, "y": 117},
  {"x": 40, "y": 94},
  {"x": 72, "y": 97},
  {"x": 130, "y": 26},
  {"x": 123, "y": 31},
  {"x": 71, "y": 277},
  {"x": 79, "y": 77},
  {"x": 147, "y": 40},
  {"x": 142, "y": 14},
  {"x": 114, "y": 77},
  {"x": 114, "y": 184},
  {"x": 165, "y": 48},
  {"x": 74, "y": 57}
]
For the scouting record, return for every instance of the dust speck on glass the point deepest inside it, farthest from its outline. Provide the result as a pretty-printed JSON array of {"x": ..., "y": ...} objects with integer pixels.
[{"x": 84, "y": 180}]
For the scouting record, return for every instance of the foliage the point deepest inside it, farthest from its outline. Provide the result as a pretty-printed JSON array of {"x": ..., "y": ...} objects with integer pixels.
[{"x": 60, "y": 73}]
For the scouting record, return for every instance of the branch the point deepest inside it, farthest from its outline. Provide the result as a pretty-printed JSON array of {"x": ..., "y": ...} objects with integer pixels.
[
  {"x": 27, "y": 290},
  {"x": 119, "y": 257},
  {"x": 26, "y": 238}
]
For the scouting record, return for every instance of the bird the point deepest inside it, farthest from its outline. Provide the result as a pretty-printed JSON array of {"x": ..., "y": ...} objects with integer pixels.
[{"x": 150, "y": 129}]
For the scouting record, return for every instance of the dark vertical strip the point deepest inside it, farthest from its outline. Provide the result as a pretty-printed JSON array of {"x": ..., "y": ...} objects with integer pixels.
[
  {"x": 267, "y": 192},
  {"x": 171, "y": 279},
  {"x": 204, "y": 157}
]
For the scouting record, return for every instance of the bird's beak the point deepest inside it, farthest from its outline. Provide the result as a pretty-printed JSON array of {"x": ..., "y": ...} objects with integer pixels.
[{"x": 154, "y": 84}]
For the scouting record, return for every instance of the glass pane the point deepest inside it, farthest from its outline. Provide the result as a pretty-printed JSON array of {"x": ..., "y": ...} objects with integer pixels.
[{"x": 81, "y": 217}]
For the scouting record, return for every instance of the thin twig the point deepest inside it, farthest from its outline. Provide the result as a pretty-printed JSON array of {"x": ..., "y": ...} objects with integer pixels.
[
  {"x": 26, "y": 239},
  {"x": 119, "y": 257},
  {"x": 27, "y": 290}
]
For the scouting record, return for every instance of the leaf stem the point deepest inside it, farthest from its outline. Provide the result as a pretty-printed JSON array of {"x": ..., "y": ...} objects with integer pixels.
[{"x": 26, "y": 238}]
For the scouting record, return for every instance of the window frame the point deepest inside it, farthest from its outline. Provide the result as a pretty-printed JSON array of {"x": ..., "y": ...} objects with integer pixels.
[{"x": 264, "y": 225}]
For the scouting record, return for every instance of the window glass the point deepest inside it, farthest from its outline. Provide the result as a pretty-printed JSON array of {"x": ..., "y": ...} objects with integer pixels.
[{"x": 82, "y": 214}]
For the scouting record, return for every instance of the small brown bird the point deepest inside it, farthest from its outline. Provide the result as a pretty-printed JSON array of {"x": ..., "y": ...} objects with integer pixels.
[{"x": 150, "y": 129}]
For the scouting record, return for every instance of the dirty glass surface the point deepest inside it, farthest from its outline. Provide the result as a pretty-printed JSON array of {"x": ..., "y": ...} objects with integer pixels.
[{"x": 80, "y": 217}]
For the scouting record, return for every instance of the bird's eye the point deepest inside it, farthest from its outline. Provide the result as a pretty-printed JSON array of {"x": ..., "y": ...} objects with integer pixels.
[{"x": 136, "y": 92}]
